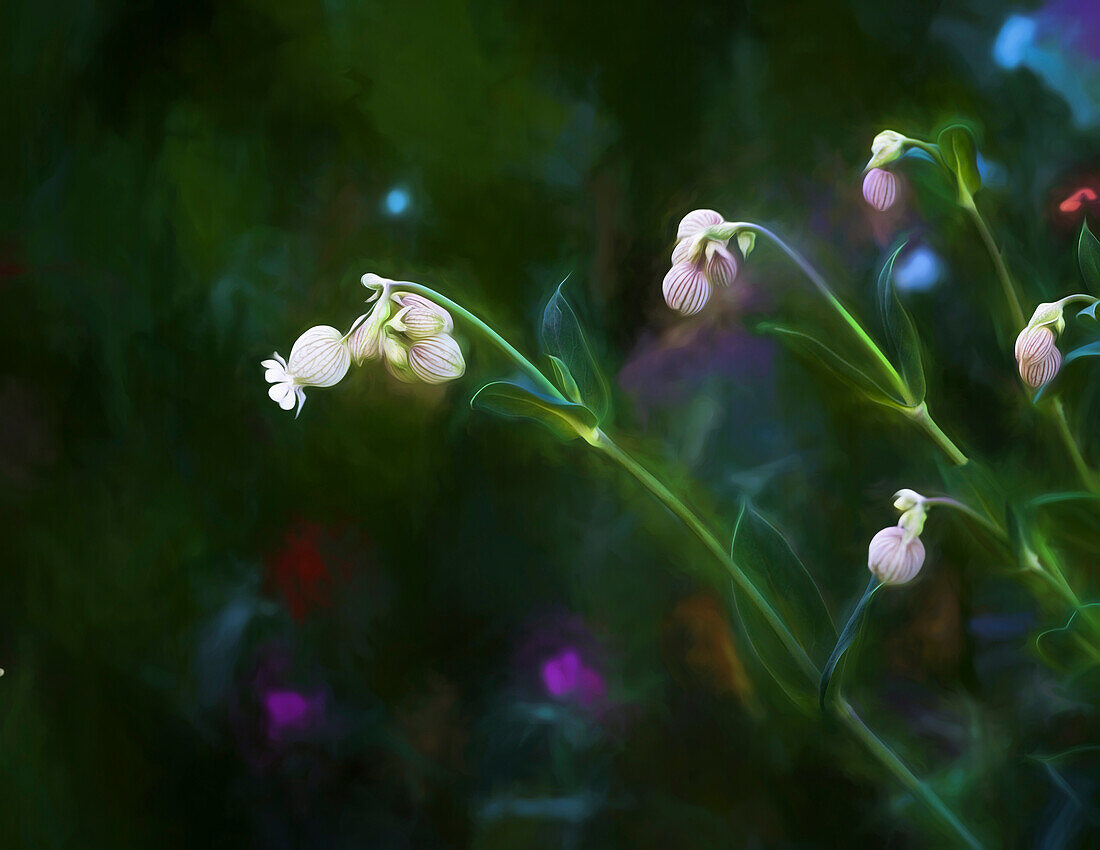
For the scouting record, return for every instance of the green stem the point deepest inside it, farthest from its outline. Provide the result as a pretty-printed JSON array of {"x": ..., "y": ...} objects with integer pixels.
[
  {"x": 916, "y": 412},
  {"x": 1062, "y": 426},
  {"x": 923, "y": 418},
  {"x": 696, "y": 526},
  {"x": 1007, "y": 285},
  {"x": 879, "y": 749},
  {"x": 500, "y": 342},
  {"x": 601, "y": 441},
  {"x": 819, "y": 282},
  {"x": 902, "y": 773}
]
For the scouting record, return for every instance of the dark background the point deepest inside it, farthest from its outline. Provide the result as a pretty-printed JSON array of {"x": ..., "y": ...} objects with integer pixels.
[{"x": 187, "y": 186}]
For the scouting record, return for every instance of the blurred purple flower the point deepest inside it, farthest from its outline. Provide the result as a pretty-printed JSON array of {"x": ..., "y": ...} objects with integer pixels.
[
  {"x": 290, "y": 713},
  {"x": 567, "y": 678}
]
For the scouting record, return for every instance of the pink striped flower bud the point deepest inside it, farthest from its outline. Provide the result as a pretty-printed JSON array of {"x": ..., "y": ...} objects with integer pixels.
[
  {"x": 701, "y": 261},
  {"x": 880, "y": 188},
  {"x": 1037, "y": 357},
  {"x": 895, "y": 555},
  {"x": 686, "y": 289}
]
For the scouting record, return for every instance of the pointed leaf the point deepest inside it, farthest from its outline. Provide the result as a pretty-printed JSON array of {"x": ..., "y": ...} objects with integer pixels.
[
  {"x": 565, "y": 379},
  {"x": 766, "y": 558},
  {"x": 1090, "y": 350},
  {"x": 957, "y": 146},
  {"x": 847, "y": 636},
  {"x": 1016, "y": 533},
  {"x": 811, "y": 347},
  {"x": 563, "y": 337},
  {"x": 510, "y": 399},
  {"x": 901, "y": 329},
  {"x": 1088, "y": 255}
]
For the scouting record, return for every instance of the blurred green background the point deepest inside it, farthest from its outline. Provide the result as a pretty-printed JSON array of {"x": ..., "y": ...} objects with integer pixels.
[{"x": 224, "y": 627}]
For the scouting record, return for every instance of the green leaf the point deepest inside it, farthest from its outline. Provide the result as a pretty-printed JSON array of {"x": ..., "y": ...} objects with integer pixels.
[
  {"x": 1089, "y": 312},
  {"x": 506, "y": 398},
  {"x": 564, "y": 338},
  {"x": 1092, "y": 349},
  {"x": 900, "y": 329},
  {"x": 1088, "y": 255},
  {"x": 1072, "y": 646},
  {"x": 1064, "y": 496},
  {"x": 847, "y": 636},
  {"x": 1016, "y": 532},
  {"x": 810, "y": 347},
  {"x": 957, "y": 146},
  {"x": 565, "y": 379},
  {"x": 766, "y": 558}
]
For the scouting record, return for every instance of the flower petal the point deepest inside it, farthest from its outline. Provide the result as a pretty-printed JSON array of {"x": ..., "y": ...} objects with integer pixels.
[
  {"x": 697, "y": 220},
  {"x": 686, "y": 289}
]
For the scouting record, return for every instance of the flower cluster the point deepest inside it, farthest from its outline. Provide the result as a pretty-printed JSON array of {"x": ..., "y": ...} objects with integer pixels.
[
  {"x": 1037, "y": 357},
  {"x": 410, "y": 333},
  {"x": 701, "y": 261},
  {"x": 896, "y": 554}
]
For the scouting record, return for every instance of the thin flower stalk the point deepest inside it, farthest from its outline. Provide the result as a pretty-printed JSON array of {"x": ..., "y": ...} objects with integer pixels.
[
  {"x": 600, "y": 440},
  {"x": 916, "y": 411}
]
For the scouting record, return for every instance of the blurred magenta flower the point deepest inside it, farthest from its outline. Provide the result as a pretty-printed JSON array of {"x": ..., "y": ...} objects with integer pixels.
[
  {"x": 566, "y": 677},
  {"x": 289, "y": 712}
]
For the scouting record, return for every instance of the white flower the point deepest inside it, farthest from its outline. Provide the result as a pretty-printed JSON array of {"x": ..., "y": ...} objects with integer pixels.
[
  {"x": 437, "y": 359},
  {"x": 319, "y": 358},
  {"x": 283, "y": 389},
  {"x": 895, "y": 555},
  {"x": 420, "y": 318}
]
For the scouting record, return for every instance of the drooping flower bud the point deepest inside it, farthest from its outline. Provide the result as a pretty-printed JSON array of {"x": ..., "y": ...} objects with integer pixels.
[
  {"x": 686, "y": 289},
  {"x": 701, "y": 261},
  {"x": 365, "y": 340},
  {"x": 880, "y": 188},
  {"x": 895, "y": 555},
  {"x": 1037, "y": 357},
  {"x": 420, "y": 318},
  {"x": 886, "y": 147},
  {"x": 437, "y": 359},
  {"x": 395, "y": 352}
]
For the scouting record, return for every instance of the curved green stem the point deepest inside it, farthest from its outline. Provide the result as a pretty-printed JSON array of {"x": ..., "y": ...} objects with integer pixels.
[
  {"x": 1011, "y": 296},
  {"x": 923, "y": 418},
  {"x": 917, "y": 412},
  {"x": 902, "y": 773},
  {"x": 819, "y": 282},
  {"x": 689, "y": 518},
  {"x": 707, "y": 538},
  {"x": 875, "y": 745},
  {"x": 496, "y": 339}
]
